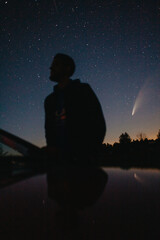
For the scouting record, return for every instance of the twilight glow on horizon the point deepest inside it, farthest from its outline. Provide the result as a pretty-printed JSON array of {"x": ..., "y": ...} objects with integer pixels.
[{"x": 115, "y": 45}]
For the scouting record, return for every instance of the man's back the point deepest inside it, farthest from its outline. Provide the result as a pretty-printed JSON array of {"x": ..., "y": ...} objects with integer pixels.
[{"x": 80, "y": 117}]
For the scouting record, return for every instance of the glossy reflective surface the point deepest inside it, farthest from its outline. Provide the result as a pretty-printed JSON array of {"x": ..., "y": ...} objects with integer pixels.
[{"x": 82, "y": 203}]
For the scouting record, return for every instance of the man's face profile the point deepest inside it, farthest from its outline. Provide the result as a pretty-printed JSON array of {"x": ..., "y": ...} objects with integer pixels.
[{"x": 57, "y": 70}]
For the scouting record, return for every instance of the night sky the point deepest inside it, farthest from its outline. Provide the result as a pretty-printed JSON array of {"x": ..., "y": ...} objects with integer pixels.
[{"x": 116, "y": 47}]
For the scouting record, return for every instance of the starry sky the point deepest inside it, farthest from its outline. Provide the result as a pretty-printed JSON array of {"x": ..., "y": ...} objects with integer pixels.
[{"x": 116, "y": 48}]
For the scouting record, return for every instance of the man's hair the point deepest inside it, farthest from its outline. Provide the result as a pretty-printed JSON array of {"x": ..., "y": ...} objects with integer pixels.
[{"x": 66, "y": 61}]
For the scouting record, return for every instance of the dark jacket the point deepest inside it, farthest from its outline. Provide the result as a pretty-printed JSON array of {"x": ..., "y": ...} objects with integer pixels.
[{"x": 85, "y": 123}]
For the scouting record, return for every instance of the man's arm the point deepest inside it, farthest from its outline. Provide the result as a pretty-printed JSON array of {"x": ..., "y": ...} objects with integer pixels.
[
  {"x": 92, "y": 128},
  {"x": 49, "y": 121},
  {"x": 50, "y": 150}
]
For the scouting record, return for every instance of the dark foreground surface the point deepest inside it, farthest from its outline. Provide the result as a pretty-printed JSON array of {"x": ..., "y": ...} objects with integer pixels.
[{"x": 81, "y": 203}]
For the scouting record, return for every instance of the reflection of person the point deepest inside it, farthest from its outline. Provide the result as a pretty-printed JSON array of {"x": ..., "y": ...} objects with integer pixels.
[
  {"x": 76, "y": 187},
  {"x": 74, "y": 122}
]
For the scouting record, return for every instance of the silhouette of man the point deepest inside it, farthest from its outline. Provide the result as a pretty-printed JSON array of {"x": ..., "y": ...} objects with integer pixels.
[{"x": 74, "y": 122}]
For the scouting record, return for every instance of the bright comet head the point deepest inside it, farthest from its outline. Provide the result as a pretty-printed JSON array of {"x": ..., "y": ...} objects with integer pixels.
[{"x": 134, "y": 108}]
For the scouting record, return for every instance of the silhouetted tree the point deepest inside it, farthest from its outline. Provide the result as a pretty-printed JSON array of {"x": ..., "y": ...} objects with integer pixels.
[
  {"x": 124, "y": 138},
  {"x": 158, "y": 135},
  {"x": 141, "y": 136},
  {"x": 109, "y": 145}
]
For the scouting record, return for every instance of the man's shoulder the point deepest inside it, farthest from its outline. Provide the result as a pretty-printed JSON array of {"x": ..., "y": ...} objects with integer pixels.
[
  {"x": 80, "y": 85},
  {"x": 85, "y": 88}
]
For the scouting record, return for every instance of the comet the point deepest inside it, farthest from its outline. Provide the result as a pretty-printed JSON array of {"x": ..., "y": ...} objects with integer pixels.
[
  {"x": 149, "y": 89},
  {"x": 134, "y": 108},
  {"x": 143, "y": 96},
  {"x": 140, "y": 99}
]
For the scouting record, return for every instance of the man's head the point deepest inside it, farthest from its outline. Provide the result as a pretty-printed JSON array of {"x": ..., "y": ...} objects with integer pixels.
[{"x": 62, "y": 67}]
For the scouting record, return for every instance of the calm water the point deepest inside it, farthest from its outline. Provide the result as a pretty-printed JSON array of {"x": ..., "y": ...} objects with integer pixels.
[{"x": 77, "y": 203}]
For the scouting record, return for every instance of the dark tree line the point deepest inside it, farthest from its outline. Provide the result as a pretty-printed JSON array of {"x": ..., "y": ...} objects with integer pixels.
[
  {"x": 125, "y": 138},
  {"x": 141, "y": 152},
  {"x": 158, "y": 135}
]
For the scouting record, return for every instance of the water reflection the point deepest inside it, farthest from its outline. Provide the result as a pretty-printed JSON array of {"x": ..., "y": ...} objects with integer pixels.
[
  {"x": 82, "y": 203},
  {"x": 76, "y": 187}
]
